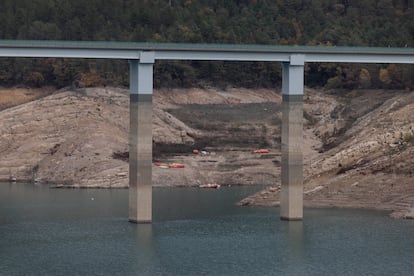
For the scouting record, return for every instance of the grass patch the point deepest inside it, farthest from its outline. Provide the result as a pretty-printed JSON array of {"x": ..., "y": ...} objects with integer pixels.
[
  {"x": 409, "y": 138},
  {"x": 10, "y": 97},
  {"x": 233, "y": 167},
  {"x": 354, "y": 94},
  {"x": 208, "y": 115}
]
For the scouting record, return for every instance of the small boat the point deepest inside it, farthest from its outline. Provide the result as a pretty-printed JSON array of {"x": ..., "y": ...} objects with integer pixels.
[
  {"x": 261, "y": 151},
  {"x": 212, "y": 186},
  {"x": 169, "y": 165},
  {"x": 176, "y": 165}
]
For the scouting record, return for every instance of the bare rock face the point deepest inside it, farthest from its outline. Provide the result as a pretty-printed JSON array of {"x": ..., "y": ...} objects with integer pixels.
[
  {"x": 366, "y": 162},
  {"x": 58, "y": 138},
  {"x": 169, "y": 130},
  {"x": 70, "y": 137}
]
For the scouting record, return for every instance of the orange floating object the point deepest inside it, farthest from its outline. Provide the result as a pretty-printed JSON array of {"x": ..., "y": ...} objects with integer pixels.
[
  {"x": 176, "y": 165},
  {"x": 261, "y": 151},
  {"x": 169, "y": 165}
]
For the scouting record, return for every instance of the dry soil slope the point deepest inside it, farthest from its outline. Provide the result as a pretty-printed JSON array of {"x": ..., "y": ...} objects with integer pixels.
[
  {"x": 371, "y": 167},
  {"x": 70, "y": 137}
]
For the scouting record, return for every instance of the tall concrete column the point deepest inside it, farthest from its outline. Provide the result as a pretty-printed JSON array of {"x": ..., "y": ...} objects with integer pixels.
[
  {"x": 291, "y": 195},
  {"x": 140, "y": 138}
]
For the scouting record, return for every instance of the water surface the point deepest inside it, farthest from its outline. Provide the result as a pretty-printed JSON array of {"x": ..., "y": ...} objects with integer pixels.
[{"x": 195, "y": 232}]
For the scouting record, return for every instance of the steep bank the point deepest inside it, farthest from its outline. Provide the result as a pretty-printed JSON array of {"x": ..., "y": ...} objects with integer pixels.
[{"x": 366, "y": 158}]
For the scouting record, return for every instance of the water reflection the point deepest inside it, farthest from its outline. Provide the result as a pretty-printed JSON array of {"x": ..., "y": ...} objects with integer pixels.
[
  {"x": 295, "y": 235},
  {"x": 296, "y": 246},
  {"x": 144, "y": 235},
  {"x": 144, "y": 247}
]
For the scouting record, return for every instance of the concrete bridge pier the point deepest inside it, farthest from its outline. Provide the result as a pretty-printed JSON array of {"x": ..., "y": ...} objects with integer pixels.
[
  {"x": 140, "y": 138},
  {"x": 291, "y": 195}
]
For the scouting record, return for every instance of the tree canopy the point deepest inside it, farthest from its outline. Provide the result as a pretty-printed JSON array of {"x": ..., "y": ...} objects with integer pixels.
[{"x": 386, "y": 23}]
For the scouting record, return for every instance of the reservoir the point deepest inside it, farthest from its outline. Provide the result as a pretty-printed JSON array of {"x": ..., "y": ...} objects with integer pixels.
[{"x": 195, "y": 231}]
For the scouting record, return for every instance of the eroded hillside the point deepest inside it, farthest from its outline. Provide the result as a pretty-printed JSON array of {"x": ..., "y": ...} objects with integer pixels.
[
  {"x": 358, "y": 145},
  {"x": 366, "y": 157}
]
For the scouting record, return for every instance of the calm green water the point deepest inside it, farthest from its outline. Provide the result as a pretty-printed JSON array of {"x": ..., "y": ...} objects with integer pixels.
[{"x": 195, "y": 232}]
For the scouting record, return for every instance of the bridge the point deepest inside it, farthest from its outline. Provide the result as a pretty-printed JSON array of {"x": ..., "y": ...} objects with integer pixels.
[{"x": 141, "y": 57}]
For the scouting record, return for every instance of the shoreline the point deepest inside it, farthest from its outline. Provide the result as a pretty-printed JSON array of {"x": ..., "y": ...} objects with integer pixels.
[{"x": 255, "y": 200}]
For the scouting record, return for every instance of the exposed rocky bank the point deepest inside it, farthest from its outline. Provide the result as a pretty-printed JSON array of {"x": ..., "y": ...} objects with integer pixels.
[{"x": 358, "y": 145}]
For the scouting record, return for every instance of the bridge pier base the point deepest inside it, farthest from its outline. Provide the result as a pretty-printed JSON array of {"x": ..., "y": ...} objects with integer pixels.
[
  {"x": 140, "y": 138},
  {"x": 291, "y": 195}
]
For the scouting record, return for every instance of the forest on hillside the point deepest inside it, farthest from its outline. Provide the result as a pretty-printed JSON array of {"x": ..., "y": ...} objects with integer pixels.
[{"x": 380, "y": 23}]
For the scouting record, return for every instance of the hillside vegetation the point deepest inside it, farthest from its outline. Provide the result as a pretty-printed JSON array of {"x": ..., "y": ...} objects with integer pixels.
[{"x": 383, "y": 23}]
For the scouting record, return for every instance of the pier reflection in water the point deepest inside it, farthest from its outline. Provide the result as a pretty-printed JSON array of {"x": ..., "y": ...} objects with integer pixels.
[{"x": 195, "y": 231}]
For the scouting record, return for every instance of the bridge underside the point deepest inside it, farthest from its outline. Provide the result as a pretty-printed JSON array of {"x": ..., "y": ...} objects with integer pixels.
[{"x": 140, "y": 147}]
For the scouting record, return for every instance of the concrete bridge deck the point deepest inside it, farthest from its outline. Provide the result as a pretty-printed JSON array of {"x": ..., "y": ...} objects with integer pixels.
[{"x": 183, "y": 51}]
